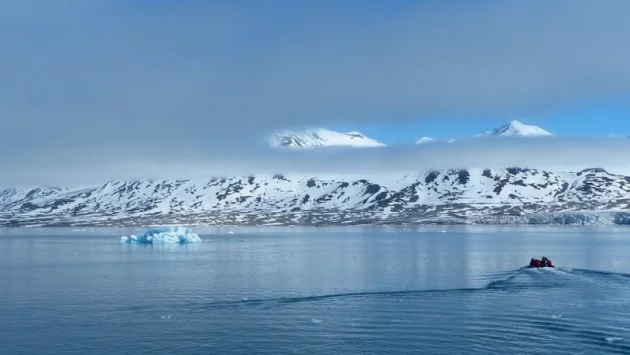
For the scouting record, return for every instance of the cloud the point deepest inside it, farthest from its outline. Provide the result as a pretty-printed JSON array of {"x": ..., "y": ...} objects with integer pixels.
[
  {"x": 556, "y": 154},
  {"x": 94, "y": 83}
]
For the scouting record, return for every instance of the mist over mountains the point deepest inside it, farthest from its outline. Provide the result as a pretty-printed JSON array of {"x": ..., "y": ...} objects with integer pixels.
[{"x": 362, "y": 187}]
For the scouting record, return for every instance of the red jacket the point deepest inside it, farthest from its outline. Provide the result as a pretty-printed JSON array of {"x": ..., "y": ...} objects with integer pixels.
[
  {"x": 535, "y": 263},
  {"x": 549, "y": 263}
]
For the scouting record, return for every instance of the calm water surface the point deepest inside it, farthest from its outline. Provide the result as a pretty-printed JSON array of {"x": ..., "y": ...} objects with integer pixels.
[{"x": 316, "y": 291}]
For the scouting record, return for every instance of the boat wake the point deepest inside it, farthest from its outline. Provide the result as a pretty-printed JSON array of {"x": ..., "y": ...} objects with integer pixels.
[
  {"x": 512, "y": 281},
  {"x": 571, "y": 310}
]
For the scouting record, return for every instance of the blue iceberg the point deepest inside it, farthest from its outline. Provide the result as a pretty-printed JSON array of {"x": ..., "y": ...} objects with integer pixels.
[{"x": 164, "y": 235}]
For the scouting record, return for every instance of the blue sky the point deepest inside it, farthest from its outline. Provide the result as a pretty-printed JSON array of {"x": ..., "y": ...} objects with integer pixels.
[{"x": 602, "y": 119}]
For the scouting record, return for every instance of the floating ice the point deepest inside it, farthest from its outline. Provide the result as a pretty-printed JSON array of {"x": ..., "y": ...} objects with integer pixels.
[{"x": 163, "y": 235}]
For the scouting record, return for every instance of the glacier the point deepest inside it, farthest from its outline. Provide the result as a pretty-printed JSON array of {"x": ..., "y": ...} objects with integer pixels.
[{"x": 164, "y": 235}]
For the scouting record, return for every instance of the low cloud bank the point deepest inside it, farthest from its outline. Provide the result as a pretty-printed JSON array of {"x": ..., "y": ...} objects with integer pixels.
[
  {"x": 219, "y": 76},
  {"x": 158, "y": 162}
]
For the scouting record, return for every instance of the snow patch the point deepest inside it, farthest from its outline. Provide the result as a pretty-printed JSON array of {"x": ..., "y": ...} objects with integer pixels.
[{"x": 163, "y": 235}]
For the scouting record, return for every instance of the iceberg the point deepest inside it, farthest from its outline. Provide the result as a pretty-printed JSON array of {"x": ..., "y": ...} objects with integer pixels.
[{"x": 164, "y": 235}]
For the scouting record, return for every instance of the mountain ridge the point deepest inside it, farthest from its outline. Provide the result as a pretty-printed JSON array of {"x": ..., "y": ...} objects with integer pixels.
[{"x": 471, "y": 196}]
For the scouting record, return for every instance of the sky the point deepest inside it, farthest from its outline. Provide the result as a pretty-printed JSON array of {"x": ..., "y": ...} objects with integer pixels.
[
  {"x": 586, "y": 120},
  {"x": 106, "y": 89}
]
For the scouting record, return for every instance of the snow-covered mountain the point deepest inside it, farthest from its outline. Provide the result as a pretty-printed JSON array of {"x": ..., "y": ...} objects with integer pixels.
[
  {"x": 512, "y": 129},
  {"x": 516, "y": 128},
  {"x": 321, "y": 138},
  {"x": 509, "y": 195},
  {"x": 325, "y": 138}
]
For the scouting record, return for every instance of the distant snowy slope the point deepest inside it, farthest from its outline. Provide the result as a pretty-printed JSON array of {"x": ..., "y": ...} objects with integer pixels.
[
  {"x": 321, "y": 138},
  {"x": 516, "y": 128},
  {"x": 431, "y": 196},
  {"x": 512, "y": 129}
]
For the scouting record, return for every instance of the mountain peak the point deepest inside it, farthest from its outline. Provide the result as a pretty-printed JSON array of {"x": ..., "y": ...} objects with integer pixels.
[
  {"x": 517, "y": 128},
  {"x": 321, "y": 137}
]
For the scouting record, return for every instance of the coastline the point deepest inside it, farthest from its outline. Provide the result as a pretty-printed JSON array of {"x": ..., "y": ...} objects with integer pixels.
[{"x": 568, "y": 218}]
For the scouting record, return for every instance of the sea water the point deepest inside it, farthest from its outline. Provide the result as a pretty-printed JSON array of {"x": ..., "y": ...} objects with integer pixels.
[{"x": 446, "y": 290}]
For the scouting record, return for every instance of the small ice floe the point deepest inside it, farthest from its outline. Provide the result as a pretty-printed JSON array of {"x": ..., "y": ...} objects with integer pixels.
[
  {"x": 181, "y": 235},
  {"x": 315, "y": 321},
  {"x": 613, "y": 339}
]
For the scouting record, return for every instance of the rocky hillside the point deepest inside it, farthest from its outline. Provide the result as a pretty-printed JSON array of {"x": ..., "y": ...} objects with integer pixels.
[{"x": 510, "y": 195}]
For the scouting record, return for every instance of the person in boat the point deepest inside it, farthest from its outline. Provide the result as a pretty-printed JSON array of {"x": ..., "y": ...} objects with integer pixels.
[
  {"x": 546, "y": 262},
  {"x": 535, "y": 263}
]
